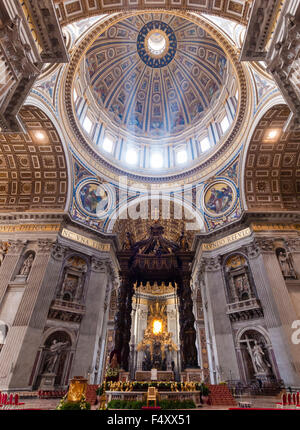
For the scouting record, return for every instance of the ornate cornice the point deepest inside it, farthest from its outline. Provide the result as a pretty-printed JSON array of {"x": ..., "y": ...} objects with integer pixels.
[{"x": 67, "y": 13}]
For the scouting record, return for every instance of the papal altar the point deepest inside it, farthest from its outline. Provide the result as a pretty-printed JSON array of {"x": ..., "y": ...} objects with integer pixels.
[
  {"x": 141, "y": 396},
  {"x": 161, "y": 375}
]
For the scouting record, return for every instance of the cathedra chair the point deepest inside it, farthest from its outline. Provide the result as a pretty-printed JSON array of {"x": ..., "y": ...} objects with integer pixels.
[{"x": 151, "y": 395}]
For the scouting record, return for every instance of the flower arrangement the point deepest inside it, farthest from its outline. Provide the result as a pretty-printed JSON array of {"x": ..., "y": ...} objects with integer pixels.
[
  {"x": 64, "y": 404},
  {"x": 112, "y": 372},
  {"x": 143, "y": 386}
]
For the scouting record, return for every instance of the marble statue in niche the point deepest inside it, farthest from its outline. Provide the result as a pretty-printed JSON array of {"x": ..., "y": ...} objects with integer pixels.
[
  {"x": 286, "y": 264},
  {"x": 53, "y": 355},
  {"x": 256, "y": 353},
  {"x": 53, "y": 364},
  {"x": 259, "y": 360},
  {"x": 147, "y": 362},
  {"x": 26, "y": 266},
  {"x": 3, "y": 333},
  {"x": 3, "y": 251}
]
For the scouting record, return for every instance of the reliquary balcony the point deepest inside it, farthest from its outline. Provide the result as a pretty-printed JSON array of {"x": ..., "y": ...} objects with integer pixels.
[
  {"x": 66, "y": 311},
  {"x": 245, "y": 309}
]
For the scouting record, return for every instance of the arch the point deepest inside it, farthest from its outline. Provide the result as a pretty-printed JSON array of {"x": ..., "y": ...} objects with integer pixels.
[
  {"x": 259, "y": 115},
  {"x": 53, "y": 330},
  {"x": 173, "y": 227},
  {"x": 257, "y": 328},
  {"x": 34, "y": 101},
  {"x": 23, "y": 259},
  {"x": 74, "y": 10},
  {"x": 271, "y": 176},
  {"x": 234, "y": 253},
  {"x": 75, "y": 254},
  {"x": 34, "y": 166}
]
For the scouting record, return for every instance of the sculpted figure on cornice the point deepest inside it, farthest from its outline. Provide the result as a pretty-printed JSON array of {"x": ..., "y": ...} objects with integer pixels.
[
  {"x": 289, "y": 47},
  {"x": 284, "y": 65},
  {"x": 17, "y": 51}
]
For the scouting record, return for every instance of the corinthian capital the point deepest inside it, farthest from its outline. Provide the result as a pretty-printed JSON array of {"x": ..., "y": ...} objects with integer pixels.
[
  {"x": 44, "y": 246},
  {"x": 266, "y": 245},
  {"x": 294, "y": 244},
  {"x": 252, "y": 250},
  {"x": 97, "y": 265},
  {"x": 58, "y": 251},
  {"x": 16, "y": 246},
  {"x": 211, "y": 264}
]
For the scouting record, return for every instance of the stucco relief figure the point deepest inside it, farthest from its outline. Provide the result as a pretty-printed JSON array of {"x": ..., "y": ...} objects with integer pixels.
[
  {"x": 286, "y": 266},
  {"x": 3, "y": 250},
  {"x": 26, "y": 267},
  {"x": 260, "y": 362},
  {"x": 52, "y": 357}
]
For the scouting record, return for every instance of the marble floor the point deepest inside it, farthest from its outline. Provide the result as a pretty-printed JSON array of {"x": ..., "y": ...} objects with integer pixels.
[{"x": 256, "y": 401}]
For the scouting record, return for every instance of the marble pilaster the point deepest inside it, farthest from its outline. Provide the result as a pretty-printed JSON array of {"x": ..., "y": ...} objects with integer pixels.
[
  {"x": 92, "y": 321},
  {"x": 223, "y": 348},
  {"x": 24, "y": 336},
  {"x": 279, "y": 312}
]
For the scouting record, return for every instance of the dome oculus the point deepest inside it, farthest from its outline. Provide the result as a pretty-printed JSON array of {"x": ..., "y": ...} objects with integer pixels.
[{"x": 156, "y": 44}]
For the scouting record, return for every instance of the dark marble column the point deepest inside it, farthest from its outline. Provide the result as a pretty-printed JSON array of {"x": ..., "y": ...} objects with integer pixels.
[
  {"x": 187, "y": 326},
  {"x": 120, "y": 317},
  {"x": 127, "y": 328}
]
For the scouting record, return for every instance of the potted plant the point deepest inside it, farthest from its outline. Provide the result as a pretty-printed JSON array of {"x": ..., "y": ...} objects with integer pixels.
[{"x": 204, "y": 393}]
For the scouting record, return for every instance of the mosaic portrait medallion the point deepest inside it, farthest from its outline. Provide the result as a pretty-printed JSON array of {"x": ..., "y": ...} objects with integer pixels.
[
  {"x": 94, "y": 198},
  {"x": 219, "y": 198}
]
